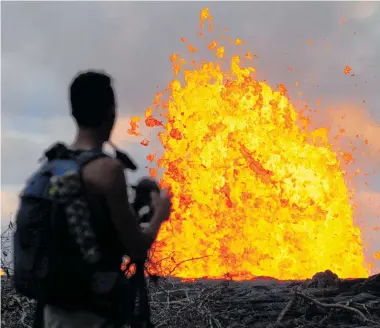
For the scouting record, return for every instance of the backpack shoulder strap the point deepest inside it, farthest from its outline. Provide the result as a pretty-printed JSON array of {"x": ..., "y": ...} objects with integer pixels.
[{"x": 88, "y": 156}]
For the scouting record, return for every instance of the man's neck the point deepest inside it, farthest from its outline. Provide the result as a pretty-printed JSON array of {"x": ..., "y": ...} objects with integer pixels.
[{"x": 87, "y": 139}]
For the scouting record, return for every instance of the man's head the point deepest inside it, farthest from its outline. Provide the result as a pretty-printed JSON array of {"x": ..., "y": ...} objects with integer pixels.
[{"x": 93, "y": 102}]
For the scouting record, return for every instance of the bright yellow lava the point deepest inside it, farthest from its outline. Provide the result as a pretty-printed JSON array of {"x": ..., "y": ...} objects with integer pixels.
[{"x": 255, "y": 193}]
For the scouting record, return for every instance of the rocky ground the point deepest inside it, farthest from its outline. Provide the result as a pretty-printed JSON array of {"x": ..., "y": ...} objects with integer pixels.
[{"x": 324, "y": 301}]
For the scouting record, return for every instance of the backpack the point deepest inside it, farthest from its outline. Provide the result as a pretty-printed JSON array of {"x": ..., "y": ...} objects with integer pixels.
[{"x": 50, "y": 197}]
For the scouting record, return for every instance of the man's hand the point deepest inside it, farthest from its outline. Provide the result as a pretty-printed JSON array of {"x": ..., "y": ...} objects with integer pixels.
[{"x": 162, "y": 204}]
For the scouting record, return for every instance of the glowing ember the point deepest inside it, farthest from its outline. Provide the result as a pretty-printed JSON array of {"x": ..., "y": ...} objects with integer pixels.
[
  {"x": 347, "y": 70},
  {"x": 255, "y": 194},
  {"x": 134, "y": 127}
]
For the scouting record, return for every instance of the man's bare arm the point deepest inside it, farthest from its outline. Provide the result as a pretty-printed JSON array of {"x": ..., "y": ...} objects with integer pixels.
[{"x": 107, "y": 176}]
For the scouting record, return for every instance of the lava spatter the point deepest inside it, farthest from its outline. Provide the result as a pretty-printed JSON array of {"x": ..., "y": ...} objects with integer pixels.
[{"x": 255, "y": 194}]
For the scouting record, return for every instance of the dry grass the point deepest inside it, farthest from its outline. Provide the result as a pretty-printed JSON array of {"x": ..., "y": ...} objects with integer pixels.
[
  {"x": 258, "y": 304},
  {"x": 322, "y": 302},
  {"x": 262, "y": 304}
]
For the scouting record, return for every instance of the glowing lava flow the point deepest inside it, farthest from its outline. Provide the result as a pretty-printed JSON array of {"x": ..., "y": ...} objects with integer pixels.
[{"x": 255, "y": 194}]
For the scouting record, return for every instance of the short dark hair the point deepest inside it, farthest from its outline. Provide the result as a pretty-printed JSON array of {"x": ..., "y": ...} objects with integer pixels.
[{"x": 91, "y": 97}]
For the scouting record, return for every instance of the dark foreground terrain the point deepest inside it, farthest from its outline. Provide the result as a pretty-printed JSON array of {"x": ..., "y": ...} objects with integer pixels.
[{"x": 324, "y": 301}]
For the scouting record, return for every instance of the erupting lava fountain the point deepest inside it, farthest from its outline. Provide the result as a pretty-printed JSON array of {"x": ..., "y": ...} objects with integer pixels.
[{"x": 256, "y": 193}]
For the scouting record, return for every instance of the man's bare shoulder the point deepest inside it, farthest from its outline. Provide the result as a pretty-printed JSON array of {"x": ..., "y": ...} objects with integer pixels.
[{"x": 103, "y": 172}]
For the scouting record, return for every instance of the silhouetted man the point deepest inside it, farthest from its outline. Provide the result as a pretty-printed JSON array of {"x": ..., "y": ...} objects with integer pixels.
[{"x": 112, "y": 219}]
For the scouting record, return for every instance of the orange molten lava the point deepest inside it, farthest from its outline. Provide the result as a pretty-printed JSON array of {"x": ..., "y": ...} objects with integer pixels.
[{"x": 254, "y": 193}]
